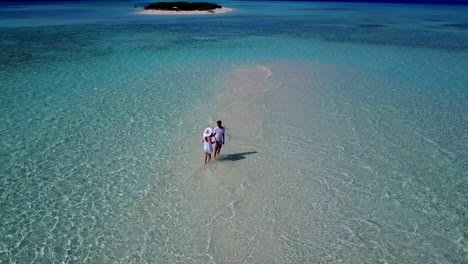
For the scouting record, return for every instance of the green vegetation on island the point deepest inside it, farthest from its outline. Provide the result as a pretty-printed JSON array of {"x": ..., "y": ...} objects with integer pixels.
[{"x": 182, "y": 6}]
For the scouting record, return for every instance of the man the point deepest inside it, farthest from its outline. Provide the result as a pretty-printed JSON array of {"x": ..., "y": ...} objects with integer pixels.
[{"x": 219, "y": 137}]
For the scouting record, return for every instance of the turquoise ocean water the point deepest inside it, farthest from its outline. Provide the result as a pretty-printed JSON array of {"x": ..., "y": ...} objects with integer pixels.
[{"x": 347, "y": 134}]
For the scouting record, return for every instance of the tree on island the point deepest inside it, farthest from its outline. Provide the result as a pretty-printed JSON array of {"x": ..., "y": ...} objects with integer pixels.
[{"x": 182, "y": 6}]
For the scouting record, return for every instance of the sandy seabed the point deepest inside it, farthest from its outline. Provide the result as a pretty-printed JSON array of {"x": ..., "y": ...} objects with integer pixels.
[{"x": 168, "y": 12}]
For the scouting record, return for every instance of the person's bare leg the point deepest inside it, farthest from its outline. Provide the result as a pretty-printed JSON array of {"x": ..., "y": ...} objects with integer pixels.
[
  {"x": 219, "y": 149},
  {"x": 206, "y": 157},
  {"x": 216, "y": 151}
]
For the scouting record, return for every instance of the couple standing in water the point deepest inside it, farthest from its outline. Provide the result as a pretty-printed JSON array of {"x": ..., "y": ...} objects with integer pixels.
[{"x": 218, "y": 135}]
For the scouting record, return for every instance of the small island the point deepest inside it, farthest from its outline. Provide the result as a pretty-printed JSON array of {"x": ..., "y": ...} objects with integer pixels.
[{"x": 183, "y": 8}]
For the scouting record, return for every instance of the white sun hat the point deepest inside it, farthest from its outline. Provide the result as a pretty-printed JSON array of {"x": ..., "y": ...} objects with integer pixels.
[{"x": 207, "y": 132}]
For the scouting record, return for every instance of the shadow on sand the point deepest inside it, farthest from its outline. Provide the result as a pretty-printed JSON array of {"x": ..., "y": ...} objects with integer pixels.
[{"x": 235, "y": 156}]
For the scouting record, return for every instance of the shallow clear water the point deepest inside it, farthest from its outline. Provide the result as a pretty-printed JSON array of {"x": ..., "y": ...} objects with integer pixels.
[{"x": 347, "y": 134}]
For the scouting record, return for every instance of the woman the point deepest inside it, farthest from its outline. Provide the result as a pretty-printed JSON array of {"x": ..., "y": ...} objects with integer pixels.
[{"x": 207, "y": 143}]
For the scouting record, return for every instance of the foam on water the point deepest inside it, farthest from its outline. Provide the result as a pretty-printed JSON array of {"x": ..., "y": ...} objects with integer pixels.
[{"x": 346, "y": 139}]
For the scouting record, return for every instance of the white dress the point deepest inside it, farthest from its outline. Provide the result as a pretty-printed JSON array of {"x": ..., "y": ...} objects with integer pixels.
[{"x": 207, "y": 147}]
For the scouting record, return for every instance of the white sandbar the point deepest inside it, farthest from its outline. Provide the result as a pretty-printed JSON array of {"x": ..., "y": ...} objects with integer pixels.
[{"x": 170, "y": 12}]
